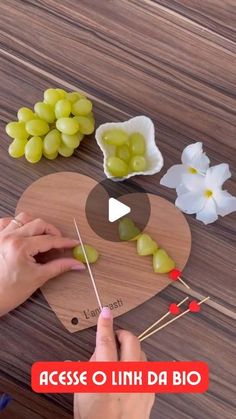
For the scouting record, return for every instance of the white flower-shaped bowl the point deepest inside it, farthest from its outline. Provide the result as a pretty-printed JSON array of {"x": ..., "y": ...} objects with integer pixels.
[{"x": 144, "y": 126}]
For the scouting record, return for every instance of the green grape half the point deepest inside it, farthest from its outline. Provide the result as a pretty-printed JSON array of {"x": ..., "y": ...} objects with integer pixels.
[
  {"x": 145, "y": 245},
  {"x": 37, "y": 127},
  {"x": 62, "y": 108},
  {"x": 51, "y": 96},
  {"x": 52, "y": 142},
  {"x": 138, "y": 164},
  {"x": 123, "y": 152},
  {"x": 86, "y": 126},
  {"x": 91, "y": 253},
  {"x": 68, "y": 125},
  {"x": 72, "y": 141},
  {"x": 45, "y": 111},
  {"x": 115, "y": 137},
  {"x": 117, "y": 167},
  {"x": 17, "y": 130},
  {"x": 127, "y": 229},
  {"x": 137, "y": 144},
  {"x": 50, "y": 156},
  {"x": 162, "y": 262},
  {"x": 65, "y": 151},
  {"x": 17, "y": 148},
  {"x": 25, "y": 114},
  {"x": 82, "y": 107},
  {"x": 34, "y": 150}
]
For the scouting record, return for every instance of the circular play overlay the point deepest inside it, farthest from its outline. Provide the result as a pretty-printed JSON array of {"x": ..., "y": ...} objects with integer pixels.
[{"x": 98, "y": 210}]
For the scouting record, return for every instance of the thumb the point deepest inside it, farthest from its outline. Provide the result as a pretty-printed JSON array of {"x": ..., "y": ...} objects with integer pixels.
[
  {"x": 105, "y": 339},
  {"x": 59, "y": 266}
]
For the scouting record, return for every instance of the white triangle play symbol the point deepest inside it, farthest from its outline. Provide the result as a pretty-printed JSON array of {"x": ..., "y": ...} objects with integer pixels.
[{"x": 117, "y": 210}]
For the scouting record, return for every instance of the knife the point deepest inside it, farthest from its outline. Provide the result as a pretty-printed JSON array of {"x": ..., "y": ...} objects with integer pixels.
[{"x": 88, "y": 265}]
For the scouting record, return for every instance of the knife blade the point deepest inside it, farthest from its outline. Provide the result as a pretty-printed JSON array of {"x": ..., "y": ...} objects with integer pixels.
[{"x": 88, "y": 265}]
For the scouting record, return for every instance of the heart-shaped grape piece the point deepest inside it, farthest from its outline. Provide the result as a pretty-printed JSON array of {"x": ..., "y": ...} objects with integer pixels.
[
  {"x": 91, "y": 253},
  {"x": 145, "y": 245},
  {"x": 162, "y": 262},
  {"x": 127, "y": 229}
]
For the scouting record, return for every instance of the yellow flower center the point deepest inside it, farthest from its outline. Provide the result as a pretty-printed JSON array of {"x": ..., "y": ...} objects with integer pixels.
[
  {"x": 192, "y": 170},
  {"x": 208, "y": 193}
]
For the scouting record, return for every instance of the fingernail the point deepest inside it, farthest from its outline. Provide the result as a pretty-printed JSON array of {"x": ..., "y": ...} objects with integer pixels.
[
  {"x": 78, "y": 267},
  {"x": 106, "y": 313}
]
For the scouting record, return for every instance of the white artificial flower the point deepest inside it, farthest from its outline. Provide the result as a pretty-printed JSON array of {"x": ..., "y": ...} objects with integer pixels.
[
  {"x": 194, "y": 164},
  {"x": 204, "y": 195}
]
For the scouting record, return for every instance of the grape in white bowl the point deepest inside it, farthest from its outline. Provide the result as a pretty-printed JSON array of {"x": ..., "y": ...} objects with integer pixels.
[{"x": 139, "y": 124}]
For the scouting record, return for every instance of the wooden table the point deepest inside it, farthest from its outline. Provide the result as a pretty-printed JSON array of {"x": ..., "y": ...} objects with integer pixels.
[{"x": 175, "y": 62}]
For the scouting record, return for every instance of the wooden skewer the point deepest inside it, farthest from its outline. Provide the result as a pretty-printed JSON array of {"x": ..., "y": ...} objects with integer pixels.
[
  {"x": 171, "y": 321},
  {"x": 183, "y": 282},
  {"x": 175, "y": 275},
  {"x": 159, "y": 320}
]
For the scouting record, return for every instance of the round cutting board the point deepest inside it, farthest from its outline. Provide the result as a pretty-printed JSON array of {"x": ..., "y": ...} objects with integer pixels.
[{"x": 123, "y": 278}]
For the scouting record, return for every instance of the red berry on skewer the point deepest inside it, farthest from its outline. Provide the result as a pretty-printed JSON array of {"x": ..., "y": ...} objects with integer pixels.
[
  {"x": 174, "y": 309},
  {"x": 194, "y": 307},
  {"x": 175, "y": 274}
]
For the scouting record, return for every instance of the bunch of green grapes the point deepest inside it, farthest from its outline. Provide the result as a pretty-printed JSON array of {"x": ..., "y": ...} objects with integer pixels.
[
  {"x": 55, "y": 126},
  {"x": 129, "y": 152}
]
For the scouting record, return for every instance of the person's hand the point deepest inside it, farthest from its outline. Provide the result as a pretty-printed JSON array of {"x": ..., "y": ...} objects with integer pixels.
[
  {"x": 20, "y": 243},
  {"x": 114, "y": 406}
]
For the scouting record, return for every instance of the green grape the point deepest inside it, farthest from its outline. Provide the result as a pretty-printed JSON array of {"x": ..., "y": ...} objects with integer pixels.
[
  {"x": 17, "y": 148},
  {"x": 50, "y": 156},
  {"x": 65, "y": 151},
  {"x": 45, "y": 111},
  {"x": 127, "y": 229},
  {"x": 62, "y": 108},
  {"x": 117, "y": 167},
  {"x": 67, "y": 125},
  {"x": 34, "y": 150},
  {"x": 61, "y": 92},
  {"x": 72, "y": 141},
  {"x": 137, "y": 144},
  {"x": 52, "y": 142},
  {"x": 145, "y": 245},
  {"x": 162, "y": 263},
  {"x": 82, "y": 107},
  {"x": 91, "y": 253},
  {"x": 51, "y": 96},
  {"x": 138, "y": 164},
  {"x": 37, "y": 127},
  {"x": 25, "y": 114},
  {"x": 115, "y": 137},
  {"x": 73, "y": 96},
  {"x": 123, "y": 152},
  {"x": 90, "y": 116},
  {"x": 135, "y": 238},
  {"x": 86, "y": 126},
  {"x": 17, "y": 130}
]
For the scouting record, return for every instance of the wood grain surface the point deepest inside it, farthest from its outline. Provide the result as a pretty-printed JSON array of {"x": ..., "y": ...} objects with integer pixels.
[{"x": 175, "y": 62}]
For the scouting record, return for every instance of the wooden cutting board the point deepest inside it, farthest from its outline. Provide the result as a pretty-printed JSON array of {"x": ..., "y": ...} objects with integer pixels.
[{"x": 123, "y": 278}]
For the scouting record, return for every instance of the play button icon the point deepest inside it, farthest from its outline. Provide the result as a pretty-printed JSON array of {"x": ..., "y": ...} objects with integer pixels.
[
  {"x": 117, "y": 210},
  {"x": 108, "y": 202}
]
